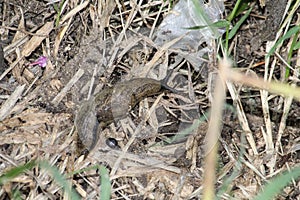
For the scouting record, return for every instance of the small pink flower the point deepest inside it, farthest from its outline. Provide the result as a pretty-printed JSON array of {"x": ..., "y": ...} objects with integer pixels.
[{"x": 42, "y": 62}]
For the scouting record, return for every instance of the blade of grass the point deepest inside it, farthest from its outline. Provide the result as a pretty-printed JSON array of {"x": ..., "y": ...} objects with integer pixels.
[
  {"x": 105, "y": 187},
  {"x": 184, "y": 133},
  {"x": 218, "y": 24},
  {"x": 274, "y": 187},
  {"x": 202, "y": 16},
  {"x": 60, "y": 179},
  {"x": 289, "y": 34},
  {"x": 296, "y": 46},
  {"x": 292, "y": 48},
  {"x": 238, "y": 24},
  {"x": 16, "y": 194},
  {"x": 16, "y": 171},
  {"x": 58, "y": 8},
  {"x": 57, "y": 176},
  {"x": 240, "y": 6}
]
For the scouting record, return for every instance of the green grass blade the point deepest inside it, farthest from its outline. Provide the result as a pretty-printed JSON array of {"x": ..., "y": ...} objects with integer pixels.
[
  {"x": 290, "y": 33},
  {"x": 187, "y": 131},
  {"x": 105, "y": 187},
  {"x": 16, "y": 194},
  {"x": 16, "y": 171},
  {"x": 201, "y": 14},
  {"x": 238, "y": 24},
  {"x": 277, "y": 184},
  {"x": 239, "y": 7},
  {"x": 60, "y": 179},
  {"x": 218, "y": 24},
  {"x": 57, "y": 176},
  {"x": 297, "y": 46}
]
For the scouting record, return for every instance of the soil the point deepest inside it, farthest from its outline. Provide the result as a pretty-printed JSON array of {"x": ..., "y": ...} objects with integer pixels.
[{"x": 157, "y": 150}]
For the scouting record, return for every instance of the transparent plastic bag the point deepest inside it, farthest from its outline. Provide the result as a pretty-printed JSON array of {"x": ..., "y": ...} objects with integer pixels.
[{"x": 185, "y": 15}]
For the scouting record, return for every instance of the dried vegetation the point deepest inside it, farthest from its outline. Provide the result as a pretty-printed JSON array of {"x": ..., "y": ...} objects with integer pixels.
[{"x": 98, "y": 43}]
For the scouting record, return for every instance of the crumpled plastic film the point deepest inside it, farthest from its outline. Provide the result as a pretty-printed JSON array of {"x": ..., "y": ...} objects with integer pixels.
[{"x": 184, "y": 15}]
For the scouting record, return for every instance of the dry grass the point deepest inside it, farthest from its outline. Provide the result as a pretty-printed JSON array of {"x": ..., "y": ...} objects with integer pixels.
[{"x": 94, "y": 44}]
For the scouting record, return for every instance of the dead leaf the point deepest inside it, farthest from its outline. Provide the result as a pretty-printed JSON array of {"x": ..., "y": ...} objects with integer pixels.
[{"x": 36, "y": 40}]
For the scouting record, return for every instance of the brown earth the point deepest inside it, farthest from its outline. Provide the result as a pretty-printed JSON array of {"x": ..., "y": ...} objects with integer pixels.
[{"x": 96, "y": 44}]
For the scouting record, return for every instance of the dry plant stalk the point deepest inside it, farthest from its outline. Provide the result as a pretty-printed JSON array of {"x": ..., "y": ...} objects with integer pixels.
[{"x": 214, "y": 131}]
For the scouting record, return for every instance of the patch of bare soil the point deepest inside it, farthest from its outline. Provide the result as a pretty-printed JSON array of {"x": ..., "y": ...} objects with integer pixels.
[{"x": 156, "y": 150}]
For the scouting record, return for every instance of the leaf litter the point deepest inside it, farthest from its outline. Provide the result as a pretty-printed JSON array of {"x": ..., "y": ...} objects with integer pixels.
[{"x": 86, "y": 53}]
